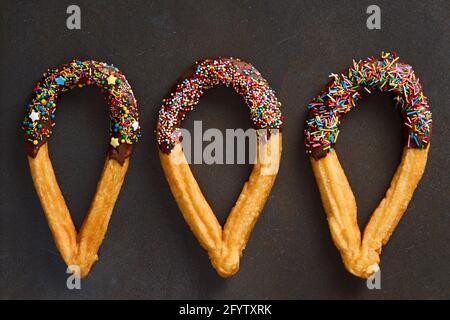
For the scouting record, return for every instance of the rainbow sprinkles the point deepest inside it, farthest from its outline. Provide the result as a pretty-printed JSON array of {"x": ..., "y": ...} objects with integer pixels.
[
  {"x": 341, "y": 94},
  {"x": 264, "y": 107},
  {"x": 40, "y": 117}
]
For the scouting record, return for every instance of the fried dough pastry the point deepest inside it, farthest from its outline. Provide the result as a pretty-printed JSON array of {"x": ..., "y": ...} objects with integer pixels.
[
  {"x": 224, "y": 245},
  {"x": 79, "y": 249},
  {"x": 361, "y": 257}
]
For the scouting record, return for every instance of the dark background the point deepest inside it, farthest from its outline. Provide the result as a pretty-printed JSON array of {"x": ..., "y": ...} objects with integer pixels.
[{"x": 149, "y": 252}]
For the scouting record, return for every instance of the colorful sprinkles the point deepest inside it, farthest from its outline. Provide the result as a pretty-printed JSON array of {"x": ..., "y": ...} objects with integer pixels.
[
  {"x": 40, "y": 117},
  {"x": 243, "y": 77},
  {"x": 341, "y": 94}
]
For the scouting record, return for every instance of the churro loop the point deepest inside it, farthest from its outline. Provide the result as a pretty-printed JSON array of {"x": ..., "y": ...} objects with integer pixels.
[
  {"x": 224, "y": 245},
  {"x": 80, "y": 248},
  {"x": 361, "y": 257}
]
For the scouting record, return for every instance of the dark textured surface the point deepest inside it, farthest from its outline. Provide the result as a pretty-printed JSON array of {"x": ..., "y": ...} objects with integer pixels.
[{"x": 149, "y": 251}]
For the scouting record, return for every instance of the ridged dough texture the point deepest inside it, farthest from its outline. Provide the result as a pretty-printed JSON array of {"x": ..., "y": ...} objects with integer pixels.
[
  {"x": 224, "y": 246},
  {"x": 362, "y": 257},
  {"x": 79, "y": 249}
]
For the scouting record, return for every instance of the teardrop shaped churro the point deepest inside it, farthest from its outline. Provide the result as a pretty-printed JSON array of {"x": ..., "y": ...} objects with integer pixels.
[
  {"x": 224, "y": 245},
  {"x": 361, "y": 257},
  {"x": 79, "y": 249}
]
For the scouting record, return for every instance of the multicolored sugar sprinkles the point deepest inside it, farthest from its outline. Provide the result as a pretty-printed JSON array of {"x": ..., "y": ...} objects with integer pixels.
[
  {"x": 241, "y": 76},
  {"x": 343, "y": 91},
  {"x": 40, "y": 117}
]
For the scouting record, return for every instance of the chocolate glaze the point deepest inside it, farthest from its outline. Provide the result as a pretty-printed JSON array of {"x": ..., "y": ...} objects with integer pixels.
[
  {"x": 194, "y": 81},
  {"x": 120, "y": 153},
  {"x": 343, "y": 91},
  {"x": 30, "y": 148},
  {"x": 117, "y": 93}
]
